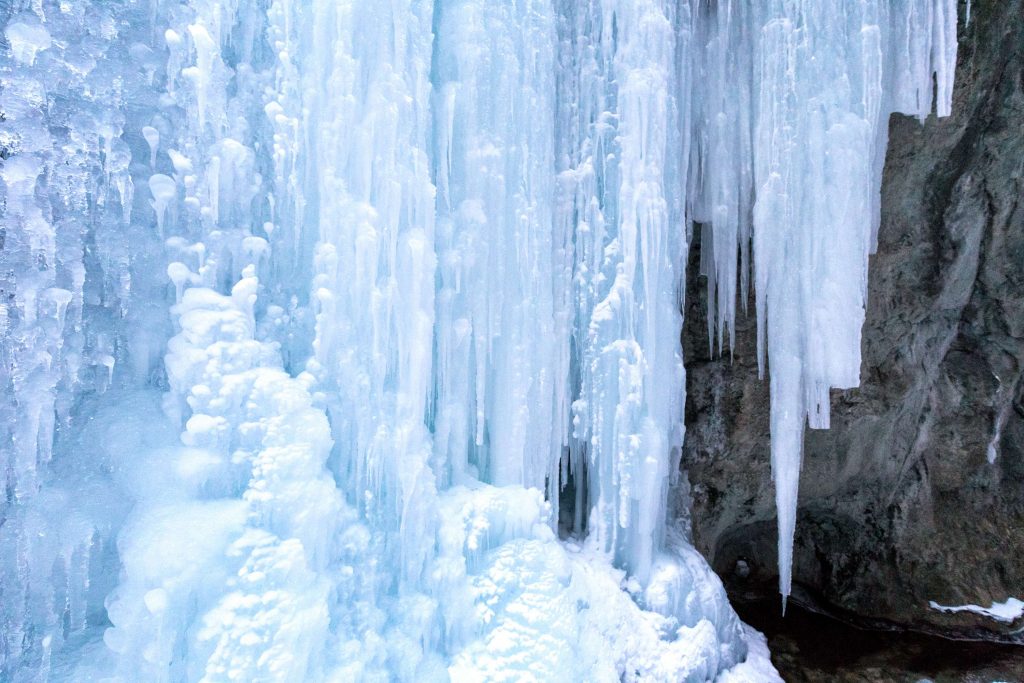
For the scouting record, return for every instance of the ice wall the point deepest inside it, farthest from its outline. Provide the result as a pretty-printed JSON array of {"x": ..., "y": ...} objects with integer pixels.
[
  {"x": 312, "y": 309},
  {"x": 70, "y": 329}
]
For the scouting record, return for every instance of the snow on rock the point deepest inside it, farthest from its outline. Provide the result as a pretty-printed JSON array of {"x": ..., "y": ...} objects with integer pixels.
[
  {"x": 1008, "y": 612},
  {"x": 757, "y": 668}
]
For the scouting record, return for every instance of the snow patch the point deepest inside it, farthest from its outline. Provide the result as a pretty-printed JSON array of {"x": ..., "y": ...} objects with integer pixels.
[{"x": 1006, "y": 612}]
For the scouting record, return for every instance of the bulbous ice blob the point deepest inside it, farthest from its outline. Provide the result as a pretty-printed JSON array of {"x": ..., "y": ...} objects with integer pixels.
[
  {"x": 180, "y": 275},
  {"x": 182, "y": 164},
  {"x": 19, "y": 173},
  {"x": 26, "y": 39},
  {"x": 254, "y": 248},
  {"x": 54, "y": 303},
  {"x": 172, "y": 38},
  {"x": 163, "y": 190}
]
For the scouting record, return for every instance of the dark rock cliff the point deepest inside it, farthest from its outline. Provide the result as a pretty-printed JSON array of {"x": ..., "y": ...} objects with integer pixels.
[{"x": 916, "y": 493}]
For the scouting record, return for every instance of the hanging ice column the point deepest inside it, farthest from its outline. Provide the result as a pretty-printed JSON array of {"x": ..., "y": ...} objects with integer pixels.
[
  {"x": 363, "y": 121},
  {"x": 721, "y": 191},
  {"x": 502, "y": 328},
  {"x": 824, "y": 78},
  {"x": 628, "y": 137}
]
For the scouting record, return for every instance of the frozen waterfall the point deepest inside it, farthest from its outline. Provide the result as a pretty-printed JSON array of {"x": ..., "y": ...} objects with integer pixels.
[{"x": 340, "y": 339}]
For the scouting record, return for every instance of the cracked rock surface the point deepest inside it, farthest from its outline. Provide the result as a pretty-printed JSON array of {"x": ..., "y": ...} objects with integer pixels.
[{"x": 916, "y": 493}]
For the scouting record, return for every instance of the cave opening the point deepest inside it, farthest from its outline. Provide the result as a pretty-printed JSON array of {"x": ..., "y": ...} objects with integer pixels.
[{"x": 573, "y": 496}]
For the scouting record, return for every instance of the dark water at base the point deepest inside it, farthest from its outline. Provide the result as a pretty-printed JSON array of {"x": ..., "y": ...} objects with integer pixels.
[{"x": 810, "y": 647}]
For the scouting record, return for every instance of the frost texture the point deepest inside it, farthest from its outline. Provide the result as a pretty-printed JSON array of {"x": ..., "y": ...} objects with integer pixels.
[{"x": 321, "y": 320}]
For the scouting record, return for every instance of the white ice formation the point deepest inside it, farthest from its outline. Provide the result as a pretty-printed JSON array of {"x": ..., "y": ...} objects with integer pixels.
[
  {"x": 1007, "y": 612},
  {"x": 321, "y": 321},
  {"x": 791, "y": 131}
]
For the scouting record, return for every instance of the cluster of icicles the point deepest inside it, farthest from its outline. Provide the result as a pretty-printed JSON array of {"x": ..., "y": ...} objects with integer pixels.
[{"x": 382, "y": 258}]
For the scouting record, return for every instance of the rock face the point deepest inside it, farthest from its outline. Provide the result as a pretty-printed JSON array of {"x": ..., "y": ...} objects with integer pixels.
[{"x": 917, "y": 491}]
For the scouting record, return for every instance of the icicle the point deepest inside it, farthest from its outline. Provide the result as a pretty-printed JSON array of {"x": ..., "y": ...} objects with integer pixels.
[
  {"x": 152, "y": 136},
  {"x": 817, "y": 97}
]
